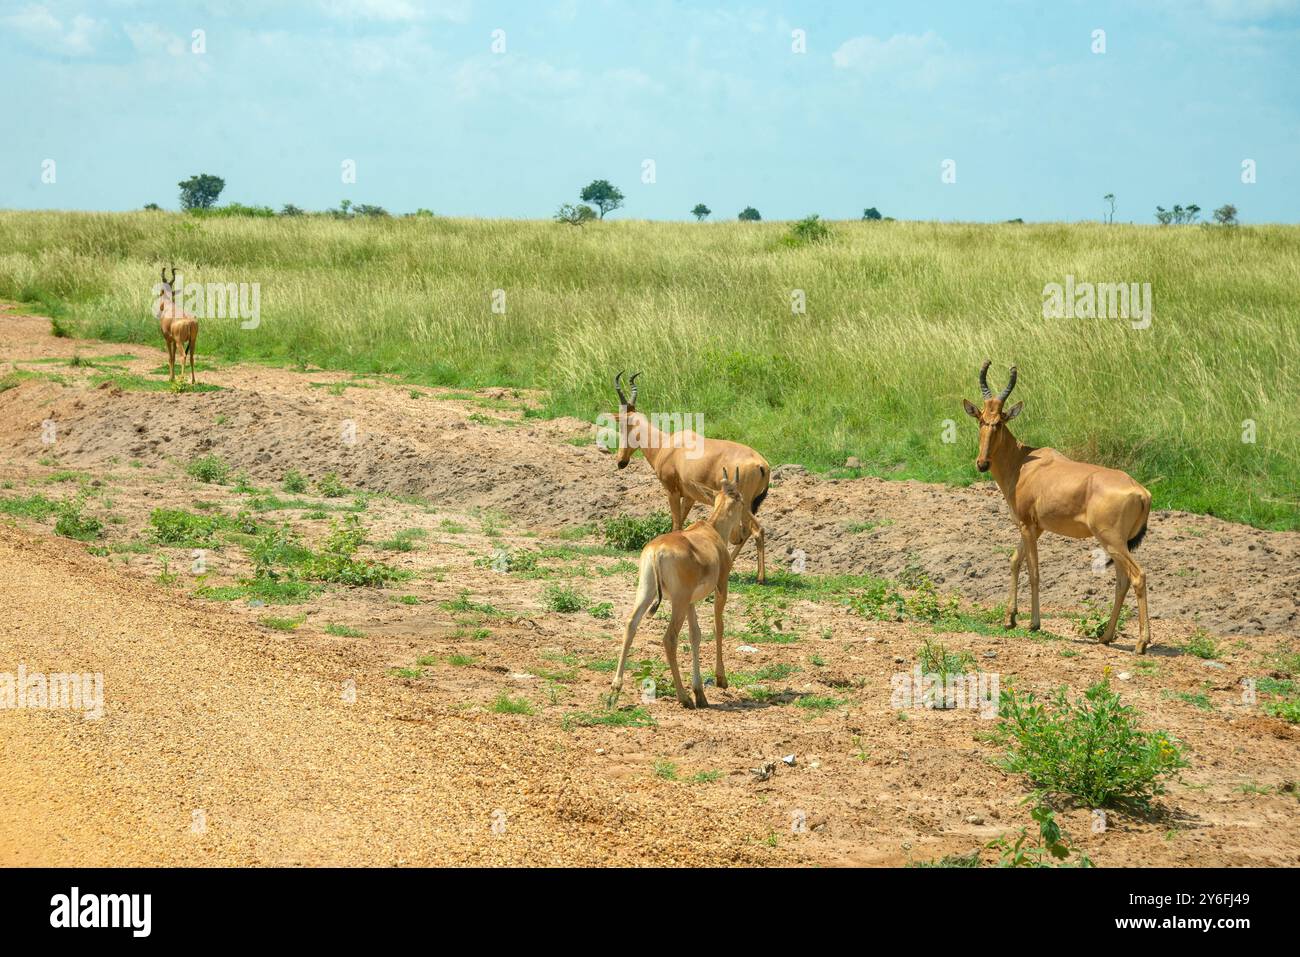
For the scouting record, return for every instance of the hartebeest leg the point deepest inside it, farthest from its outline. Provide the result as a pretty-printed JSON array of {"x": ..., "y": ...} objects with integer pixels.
[
  {"x": 670, "y": 652},
  {"x": 1144, "y": 622},
  {"x": 719, "y": 669},
  {"x": 645, "y": 597},
  {"x": 675, "y": 508},
  {"x": 1121, "y": 590},
  {"x": 191, "y": 355},
  {"x": 697, "y": 682},
  {"x": 1117, "y": 547},
  {"x": 1009, "y": 621},
  {"x": 171, "y": 359},
  {"x": 1031, "y": 544}
]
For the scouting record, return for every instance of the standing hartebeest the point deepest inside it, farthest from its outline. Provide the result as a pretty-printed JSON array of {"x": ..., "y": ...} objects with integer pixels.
[
  {"x": 179, "y": 328},
  {"x": 684, "y": 460},
  {"x": 688, "y": 566},
  {"x": 1049, "y": 492}
]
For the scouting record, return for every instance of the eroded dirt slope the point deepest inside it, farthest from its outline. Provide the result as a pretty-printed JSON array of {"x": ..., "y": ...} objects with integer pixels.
[{"x": 1231, "y": 579}]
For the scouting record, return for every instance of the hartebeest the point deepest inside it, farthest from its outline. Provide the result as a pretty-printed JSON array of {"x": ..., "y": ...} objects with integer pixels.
[
  {"x": 179, "y": 328},
  {"x": 684, "y": 461},
  {"x": 1049, "y": 492},
  {"x": 688, "y": 566}
]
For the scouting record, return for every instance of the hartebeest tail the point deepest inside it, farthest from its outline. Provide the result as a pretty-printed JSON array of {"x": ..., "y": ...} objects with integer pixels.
[
  {"x": 689, "y": 566},
  {"x": 684, "y": 460},
  {"x": 1048, "y": 492},
  {"x": 179, "y": 328}
]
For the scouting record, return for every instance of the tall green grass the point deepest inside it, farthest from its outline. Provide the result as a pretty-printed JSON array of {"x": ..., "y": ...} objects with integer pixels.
[{"x": 899, "y": 317}]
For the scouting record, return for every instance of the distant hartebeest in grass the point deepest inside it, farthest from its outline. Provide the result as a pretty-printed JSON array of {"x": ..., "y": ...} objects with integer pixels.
[
  {"x": 1049, "y": 492},
  {"x": 179, "y": 328},
  {"x": 688, "y": 566},
  {"x": 688, "y": 466}
]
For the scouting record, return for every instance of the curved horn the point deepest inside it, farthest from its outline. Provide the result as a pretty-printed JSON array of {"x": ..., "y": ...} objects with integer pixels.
[
  {"x": 1011, "y": 384},
  {"x": 618, "y": 387},
  {"x": 984, "y": 379},
  {"x": 724, "y": 474},
  {"x": 632, "y": 382}
]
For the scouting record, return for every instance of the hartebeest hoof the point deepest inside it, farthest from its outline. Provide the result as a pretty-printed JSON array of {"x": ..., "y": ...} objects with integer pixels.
[
  {"x": 1141, "y": 647},
  {"x": 686, "y": 702},
  {"x": 721, "y": 682},
  {"x": 700, "y": 700},
  {"x": 1009, "y": 621}
]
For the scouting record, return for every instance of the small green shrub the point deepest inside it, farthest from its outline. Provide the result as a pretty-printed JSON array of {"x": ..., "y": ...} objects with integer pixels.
[
  {"x": 1092, "y": 621},
  {"x": 181, "y": 529},
  {"x": 1202, "y": 645},
  {"x": 504, "y": 704},
  {"x": 294, "y": 482},
  {"x": 72, "y": 523},
  {"x": 330, "y": 486},
  {"x": 564, "y": 599},
  {"x": 210, "y": 469},
  {"x": 808, "y": 231},
  {"x": 631, "y": 533},
  {"x": 1090, "y": 748}
]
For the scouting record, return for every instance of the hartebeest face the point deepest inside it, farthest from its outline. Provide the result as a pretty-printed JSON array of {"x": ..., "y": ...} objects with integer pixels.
[
  {"x": 626, "y": 418},
  {"x": 991, "y": 417}
]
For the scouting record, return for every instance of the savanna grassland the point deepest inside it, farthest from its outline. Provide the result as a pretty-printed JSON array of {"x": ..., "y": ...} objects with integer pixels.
[{"x": 898, "y": 318}]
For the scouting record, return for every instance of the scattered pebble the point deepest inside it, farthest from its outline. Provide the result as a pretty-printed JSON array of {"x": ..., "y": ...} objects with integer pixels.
[{"x": 747, "y": 649}]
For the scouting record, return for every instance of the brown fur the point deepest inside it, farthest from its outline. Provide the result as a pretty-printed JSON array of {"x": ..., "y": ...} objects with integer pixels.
[
  {"x": 179, "y": 328},
  {"x": 1048, "y": 492},
  {"x": 688, "y": 566},
  {"x": 679, "y": 473}
]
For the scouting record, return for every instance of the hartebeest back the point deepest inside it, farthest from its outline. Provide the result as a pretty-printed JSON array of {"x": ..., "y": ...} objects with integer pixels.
[
  {"x": 688, "y": 566},
  {"x": 1049, "y": 492},
  {"x": 179, "y": 328},
  {"x": 684, "y": 461}
]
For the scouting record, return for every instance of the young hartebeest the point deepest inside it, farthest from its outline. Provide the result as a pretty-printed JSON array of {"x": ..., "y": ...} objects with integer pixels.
[
  {"x": 179, "y": 328},
  {"x": 684, "y": 460},
  {"x": 1049, "y": 492},
  {"x": 688, "y": 566}
]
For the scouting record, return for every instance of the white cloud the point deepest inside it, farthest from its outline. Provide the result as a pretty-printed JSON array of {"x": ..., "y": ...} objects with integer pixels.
[
  {"x": 903, "y": 54},
  {"x": 397, "y": 11},
  {"x": 1250, "y": 9},
  {"x": 42, "y": 29},
  {"x": 151, "y": 39}
]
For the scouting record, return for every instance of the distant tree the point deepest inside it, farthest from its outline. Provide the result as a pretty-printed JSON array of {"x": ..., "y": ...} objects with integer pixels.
[
  {"x": 700, "y": 212},
  {"x": 1226, "y": 215},
  {"x": 422, "y": 212},
  {"x": 1109, "y": 199},
  {"x": 1180, "y": 215},
  {"x": 365, "y": 209},
  {"x": 575, "y": 215},
  {"x": 871, "y": 213},
  {"x": 152, "y": 206},
  {"x": 1015, "y": 221},
  {"x": 603, "y": 194},
  {"x": 201, "y": 191},
  {"x": 289, "y": 209},
  {"x": 749, "y": 215}
]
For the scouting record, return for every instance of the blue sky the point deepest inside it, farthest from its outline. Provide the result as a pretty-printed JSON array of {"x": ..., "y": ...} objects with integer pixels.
[{"x": 1039, "y": 125}]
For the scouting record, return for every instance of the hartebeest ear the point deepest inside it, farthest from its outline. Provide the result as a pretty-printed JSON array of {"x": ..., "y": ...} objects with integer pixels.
[
  {"x": 969, "y": 406},
  {"x": 1012, "y": 412}
]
